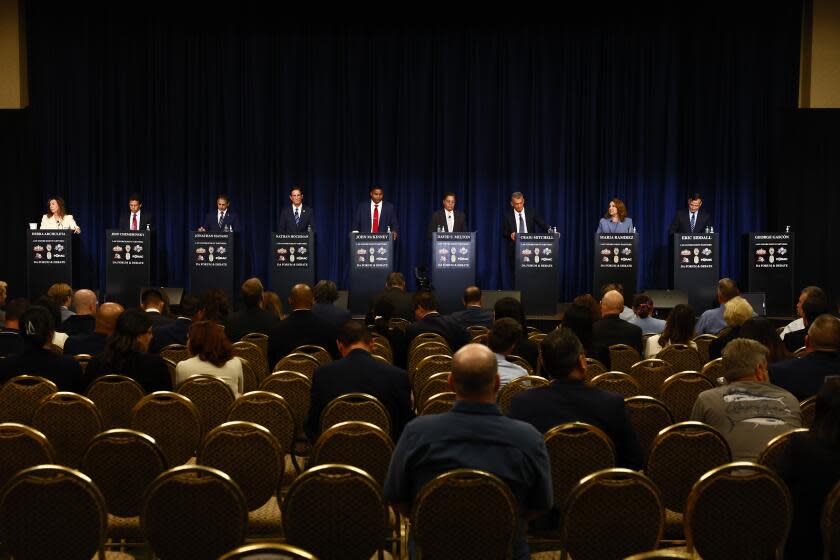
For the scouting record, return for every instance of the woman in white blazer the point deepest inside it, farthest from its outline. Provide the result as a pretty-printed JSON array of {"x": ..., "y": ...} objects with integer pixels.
[{"x": 57, "y": 219}]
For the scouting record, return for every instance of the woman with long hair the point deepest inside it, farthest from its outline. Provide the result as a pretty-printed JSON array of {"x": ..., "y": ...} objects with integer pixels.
[
  {"x": 615, "y": 220},
  {"x": 212, "y": 355},
  {"x": 763, "y": 331},
  {"x": 57, "y": 217},
  {"x": 578, "y": 319},
  {"x": 679, "y": 329}
]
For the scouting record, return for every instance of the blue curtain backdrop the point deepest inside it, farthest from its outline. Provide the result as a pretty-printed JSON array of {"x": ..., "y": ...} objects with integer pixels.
[{"x": 645, "y": 109}]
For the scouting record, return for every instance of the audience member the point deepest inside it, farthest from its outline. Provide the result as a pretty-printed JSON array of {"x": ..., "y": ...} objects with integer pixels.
[
  {"x": 679, "y": 329},
  {"x": 589, "y": 301},
  {"x": 578, "y": 318},
  {"x": 252, "y": 318},
  {"x": 735, "y": 312},
  {"x": 93, "y": 343},
  {"x": 84, "y": 320},
  {"x": 300, "y": 327},
  {"x": 62, "y": 295},
  {"x": 712, "y": 321},
  {"x": 763, "y": 331},
  {"x": 473, "y": 312},
  {"x": 11, "y": 340},
  {"x": 215, "y": 305},
  {"x": 155, "y": 303},
  {"x": 273, "y": 304},
  {"x": 383, "y": 311},
  {"x": 813, "y": 307},
  {"x": 804, "y": 376},
  {"x": 429, "y": 319},
  {"x": 503, "y": 336},
  {"x": 512, "y": 307},
  {"x": 643, "y": 315},
  {"x": 611, "y": 329},
  {"x": 326, "y": 294},
  {"x": 175, "y": 332},
  {"x": 396, "y": 294},
  {"x": 626, "y": 313},
  {"x": 798, "y": 324},
  {"x": 55, "y": 310},
  {"x": 212, "y": 354}
]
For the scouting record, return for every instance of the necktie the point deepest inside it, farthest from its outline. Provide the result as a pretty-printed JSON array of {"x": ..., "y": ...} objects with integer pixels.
[
  {"x": 134, "y": 221},
  {"x": 693, "y": 221},
  {"x": 375, "y": 226},
  {"x": 520, "y": 226},
  {"x": 221, "y": 219},
  {"x": 449, "y": 227},
  {"x": 297, "y": 216}
]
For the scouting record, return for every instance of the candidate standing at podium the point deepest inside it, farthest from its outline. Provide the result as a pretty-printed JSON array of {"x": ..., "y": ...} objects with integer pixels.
[
  {"x": 615, "y": 220},
  {"x": 519, "y": 220},
  {"x": 447, "y": 219},
  {"x": 376, "y": 215},
  {"x": 223, "y": 219},
  {"x": 296, "y": 217},
  {"x": 692, "y": 220},
  {"x": 57, "y": 218},
  {"x": 137, "y": 218}
]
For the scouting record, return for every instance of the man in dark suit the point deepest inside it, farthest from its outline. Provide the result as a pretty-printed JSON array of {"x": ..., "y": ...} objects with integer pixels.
[
  {"x": 359, "y": 372},
  {"x": 816, "y": 304},
  {"x": 447, "y": 219},
  {"x": 428, "y": 319},
  {"x": 804, "y": 376},
  {"x": 252, "y": 318},
  {"x": 84, "y": 302},
  {"x": 326, "y": 294},
  {"x": 136, "y": 219},
  {"x": 611, "y": 329},
  {"x": 11, "y": 341},
  {"x": 223, "y": 219},
  {"x": 376, "y": 216},
  {"x": 94, "y": 342},
  {"x": 297, "y": 217},
  {"x": 156, "y": 305},
  {"x": 518, "y": 220},
  {"x": 177, "y": 331},
  {"x": 474, "y": 313},
  {"x": 395, "y": 293},
  {"x": 300, "y": 327},
  {"x": 692, "y": 220}
]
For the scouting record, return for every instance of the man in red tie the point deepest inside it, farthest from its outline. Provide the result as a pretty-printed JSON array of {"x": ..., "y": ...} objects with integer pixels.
[
  {"x": 137, "y": 218},
  {"x": 376, "y": 216}
]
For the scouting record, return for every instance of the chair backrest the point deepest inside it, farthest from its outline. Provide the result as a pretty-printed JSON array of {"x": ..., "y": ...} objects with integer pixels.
[
  {"x": 70, "y": 422},
  {"x": 651, "y": 374},
  {"x": 679, "y": 393},
  {"x": 438, "y": 404},
  {"x": 682, "y": 357},
  {"x": 20, "y": 396},
  {"x": 260, "y": 339},
  {"x": 465, "y": 513},
  {"x": 335, "y": 511},
  {"x": 355, "y": 406},
  {"x": 427, "y": 367},
  {"x": 256, "y": 359},
  {"x": 617, "y": 382},
  {"x": 661, "y": 553},
  {"x": 49, "y": 511},
  {"x": 738, "y": 491},
  {"x": 593, "y": 368},
  {"x": 398, "y": 323},
  {"x": 775, "y": 449},
  {"x": 480, "y": 339},
  {"x": 476, "y": 330},
  {"x": 249, "y": 378},
  {"x": 648, "y": 417},
  {"x": 425, "y": 350},
  {"x": 515, "y": 387},
  {"x": 193, "y": 512},
  {"x": 521, "y": 362},
  {"x": 173, "y": 421},
  {"x": 382, "y": 340},
  {"x": 268, "y": 410},
  {"x": 211, "y": 396},
  {"x": 250, "y": 455},
  {"x": 83, "y": 360},
  {"x": 611, "y": 514},
  {"x": 537, "y": 337},
  {"x": 123, "y": 463},
  {"x": 296, "y": 389},
  {"x": 267, "y": 551},
  {"x": 383, "y": 351},
  {"x": 424, "y": 337},
  {"x": 713, "y": 370},
  {"x": 175, "y": 352},
  {"x": 299, "y": 362},
  {"x": 437, "y": 383},
  {"x": 808, "y": 409},
  {"x": 622, "y": 357},
  {"x": 799, "y": 352},
  {"x": 318, "y": 352},
  {"x": 22, "y": 447},
  {"x": 115, "y": 395},
  {"x": 171, "y": 366},
  {"x": 703, "y": 341},
  {"x": 680, "y": 455},
  {"x": 359, "y": 444},
  {"x": 831, "y": 523}
]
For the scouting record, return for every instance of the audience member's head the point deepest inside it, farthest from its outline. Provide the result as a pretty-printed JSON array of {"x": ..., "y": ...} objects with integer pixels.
[
  {"x": 813, "y": 308},
  {"x": 424, "y": 302},
  {"x": 395, "y": 280},
  {"x": 474, "y": 373},
  {"x": 37, "y": 326},
  {"x": 472, "y": 296},
  {"x": 762, "y": 331},
  {"x": 325, "y": 292},
  {"x": 3, "y": 292},
  {"x": 106, "y": 317},
  {"x": 736, "y": 311},
  {"x": 352, "y": 335},
  {"x": 61, "y": 294},
  {"x": 191, "y": 307},
  {"x": 51, "y": 306},
  {"x": 726, "y": 290},
  {"x": 509, "y": 307},
  {"x": 14, "y": 309},
  {"x": 252, "y": 293},
  {"x": 301, "y": 297},
  {"x": 589, "y": 301},
  {"x": 215, "y": 304},
  {"x": 642, "y": 306},
  {"x": 562, "y": 354},
  {"x": 745, "y": 359},
  {"x": 578, "y": 318},
  {"x": 503, "y": 335},
  {"x": 826, "y": 425},
  {"x": 273, "y": 304},
  {"x": 84, "y": 302},
  {"x": 823, "y": 334},
  {"x": 679, "y": 326},
  {"x": 208, "y": 341},
  {"x": 612, "y": 303},
  {"x": 132, "y": 333},
  {"x": 612, "y": 286},
  {"x": 813, "y": 293},
  {"x": 154, "y": 299}
]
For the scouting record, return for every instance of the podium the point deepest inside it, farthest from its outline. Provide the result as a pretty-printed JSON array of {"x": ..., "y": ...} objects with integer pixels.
[
  {"x": 212, "y": 261},
  {"x": 49, "y": 259},
  {"x": 453, "y": 267},
  {"x": 371, "y": 261},
  {"x": 535, "y": 272},
  {"x": 769, "y": 261},
  {"x": 292, "y": 261},
  {"x": 616, "y": 258},
  {"x": 696, "y": 268},
  {"x": 127, "y": 265}
]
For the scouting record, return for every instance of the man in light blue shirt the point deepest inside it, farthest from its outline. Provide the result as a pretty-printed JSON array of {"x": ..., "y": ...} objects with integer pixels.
[
  {"x": 711, "y": 321},
  {"x": 503, "y": 336}
]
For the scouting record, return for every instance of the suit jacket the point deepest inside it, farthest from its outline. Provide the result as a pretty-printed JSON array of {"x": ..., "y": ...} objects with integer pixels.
[
  {"x": 532, "y": 220},
  {"x": 91, "y": 343},
  {"x": 359, "y": 372},
  {"x": 804, "y": 376},
  {"x": 149, "y": 370},
  {"x": 387, "y": 217},
  {"x": 174, "y": 332},
  {"x": 474, "y": 315},
  {"x": 333, "y": 314},
  {"x": 300, "y": 327},
  {"x": 211, "y": 221},
  {"x": 11, "y": 342},
  {"x": 795, "y": 340},
  {"x": 401, "y": 300},
  {"x": 287, "y": 220},
  {"x": 158, "y": 318},
  {"x": 439, "y": 219},
  {"x": 64, "y": 371},
  {"x": 77, "y": 324},
  {"x": 682, "y": 223},
  {"x": 455, "y": 334},
  {"x": 145, "y": 220},
  {"x": 247, "y": 321},
  {"x": 613, "y": 330}
]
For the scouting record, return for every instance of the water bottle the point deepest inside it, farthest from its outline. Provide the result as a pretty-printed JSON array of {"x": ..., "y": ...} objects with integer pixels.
[
  {"x": 148, "y": 227},
  {"x": 706, "y": 230},
  {"x": 389, "y": 229},
  {"x": 787, "y": 229},
  {"x": 711, "y": 229}
]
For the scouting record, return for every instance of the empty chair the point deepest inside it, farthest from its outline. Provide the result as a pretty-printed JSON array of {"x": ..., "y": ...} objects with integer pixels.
[
  {"x": 267, "y": 551},
  {"x": 515, "y": 387},
  {"x": 424, "y": 350},
  {"x": 19, "y": 397},
  {"x": 679, "y": 392},
  {"x": 682, "y": 357},
  {"x": 22, "y": 447},
  {"x": 299, "y": 362},
  {"x": 476, "y": 330},
  {"x": 173, "y": 421},
  {"x": 256, "y": 359},
  {"x": 115, "y": 397},
  {"x": 260, "y": 339},
  {"x": 438, "y": 404},
  {"x": 594, "y": 368},
  {"x": 775, "y": 449},
  {"x": 651, "y": 374},
  {"x": 622, "y": 357},
  {"x": 175, "y": 352},
  {"x": 427, "y": 367},
  {"x": 617, "y": 382},
  {"x": 318, "y": 352},
  {"x": 250, "y": 381},
  {"x": 211, "y": 396},
  {"x": 648, "y": 417},
  {"x": 268, "y": 410},
  {"x": 382, "y": 351},
  {"x": 83, "y": 360},
  {"x": 424, "y": 337},
  {"x": 703, "y": 341},
  {"x": 713, "y": 370},
  {"x": 70, "y": 422},
  {"x": 808, "y": 409},
  {"x": 355, "y": 406},
  {"x": 359, "y": 444},
  {"x": 296, "y": 390},
  {"x": 438, "y": 383}
]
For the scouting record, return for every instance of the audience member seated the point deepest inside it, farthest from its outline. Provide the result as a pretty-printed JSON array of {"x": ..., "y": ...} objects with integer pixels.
[
  {"x": 712, "y": 321},
  {"x": 611, "y": 329},
  {"x": 502, "y": 338},
  {"x": 62, "y": 295},
  {"x": 748, "y": 411},
  {"x": 643, "y": 315},
  {"x": 93, "y": 343},
  {"x": 679, "y": 329},
  {"x": 326, "y": 294},
  {"x": 252, "y": 318},
  {"x": 212, "y": 355},
  {"x": 589, "y": 301},
  {"x": 382, "y": 313},
  {"x": 512, "y": 307},
  {"x": 763, "y": 331},
  {"x": 175, "y": 332},
  {"x": 429, "y": 319},
  {"x": 359, "y": 372},
  {"x": 812, "y": 308},
  {"x": 156, "y": 305},
  {"x": 84, "y": 302},
  {"x": 626, "y": 313},
  {"x": 215, "y": 305},
  {"x": 50, "y": 305},
  {"x": 736, "y": 311},
  {"x": 569, "y": 399},
  {"x": 473, "y": 313},
  {"x": 473, "y": 435},
  {"x": 273, "y": 304},
  {"x": 798, "y": 324},
  {"x": 126, "y": 353},
  {"x": 300, "y": 327},
  {"x": 578, "y": 318},
  {"x": 810, "y": 466},
  {"x": 396, "y": 294},
  {"x": 11, "y": 341},
  {"x": 804, "y": 376},
  {"x": 37, "y": 326}
]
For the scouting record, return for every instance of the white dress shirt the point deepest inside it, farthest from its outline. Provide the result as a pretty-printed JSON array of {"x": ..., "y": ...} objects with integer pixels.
[
  {"x": 450, "y": 220},
  {"x": 67, "y": 222},
  {"x": 131, "y": 220}
]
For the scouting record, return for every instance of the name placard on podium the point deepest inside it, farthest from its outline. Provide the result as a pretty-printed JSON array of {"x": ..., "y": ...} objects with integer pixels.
[
  {"x": 371, "y": 261},
  {"x": 696, "y": 268},
  {"x": 453, "y": 267},
  {"x": 212, "y": 261},
  {"x": 292, "y": 261},
  {"x": 536, "y": 272},
  {"x": 49, "y": 259},
  {"x": 770, "y": 269},
  {"x": 127, "y": 265},
  {"x": 616, "y": 260}
]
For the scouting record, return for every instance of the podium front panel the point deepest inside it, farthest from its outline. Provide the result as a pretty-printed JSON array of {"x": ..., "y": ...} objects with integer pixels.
[
  {"x": 615, "y": 260},
  {"x": 212, "y": 261},
  {"x": 696, "y": 268},
  {"x": 371, "y": 261},
  {"x": 536, "y": 272},
  {"x": 453, "y": 267},
  {"x": 770, "y": 269},
  {"x": 292, "y": 261},
  {"x": 49, "y": 259},
  {"x": 127, "y": 265}
]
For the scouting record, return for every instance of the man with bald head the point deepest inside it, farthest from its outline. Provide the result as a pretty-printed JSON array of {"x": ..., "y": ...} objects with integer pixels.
[
  {"x": 473, "y": 435},
  {"x": 804, "y": 376},
  {"x": 611, "y": 329},
  {"x": 473, "y": 312},
  {"x": 94, "y": 342},
  {"x": 84, "y": 302},
  {"x": 300, "y": 327}
]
